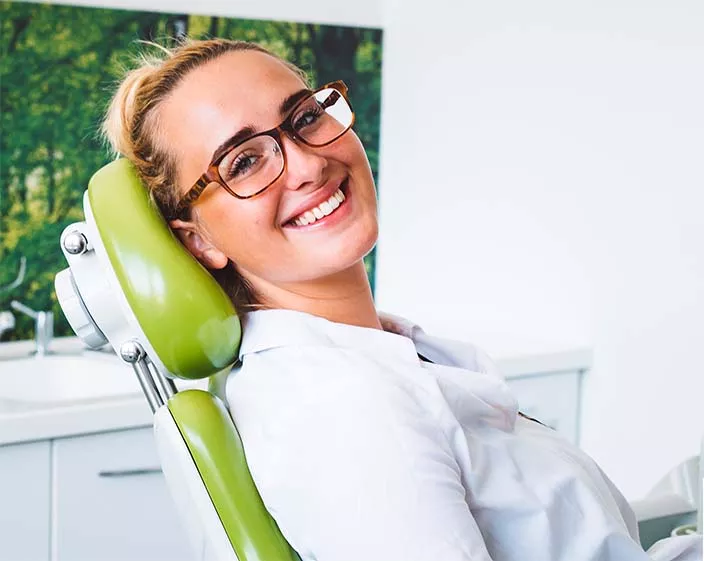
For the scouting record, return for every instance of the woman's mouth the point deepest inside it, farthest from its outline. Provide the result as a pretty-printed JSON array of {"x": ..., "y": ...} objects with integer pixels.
[{"x": 323, "y": 210}]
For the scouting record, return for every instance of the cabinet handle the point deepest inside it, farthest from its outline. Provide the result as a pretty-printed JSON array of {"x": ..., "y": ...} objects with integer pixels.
[{"x": 129, "y": 472}]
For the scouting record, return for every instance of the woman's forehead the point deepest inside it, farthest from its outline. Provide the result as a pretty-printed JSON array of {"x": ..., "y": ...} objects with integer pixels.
[
  {"x": 250, "y": 80},
  {"x": 237, "y": 89}
]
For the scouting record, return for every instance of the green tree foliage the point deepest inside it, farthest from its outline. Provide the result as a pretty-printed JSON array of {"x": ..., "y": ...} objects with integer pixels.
[{"x": 58, "y": 68}]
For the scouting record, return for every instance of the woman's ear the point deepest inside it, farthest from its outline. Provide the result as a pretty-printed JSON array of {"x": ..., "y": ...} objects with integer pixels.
[{"x": 208, "y": 255}]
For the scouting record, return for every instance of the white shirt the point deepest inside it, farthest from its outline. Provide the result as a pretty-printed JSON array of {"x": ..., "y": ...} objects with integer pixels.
[{"x": 361, "y": 451}]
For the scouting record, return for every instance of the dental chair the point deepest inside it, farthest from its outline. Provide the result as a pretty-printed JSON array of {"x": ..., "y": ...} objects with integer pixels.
[{"x": 131, "y": 284}]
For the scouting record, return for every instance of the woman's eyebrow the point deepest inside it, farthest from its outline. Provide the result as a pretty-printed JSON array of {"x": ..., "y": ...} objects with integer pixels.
[
  {"x": 289, "y": 102},
  {"x": 286, "y": 105},
  {"x": 240, "y": 135}
]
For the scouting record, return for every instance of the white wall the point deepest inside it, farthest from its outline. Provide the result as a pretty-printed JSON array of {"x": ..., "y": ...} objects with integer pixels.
[
  {"x": 542, "y": 188},
  {"x": 366, "y": 13}
]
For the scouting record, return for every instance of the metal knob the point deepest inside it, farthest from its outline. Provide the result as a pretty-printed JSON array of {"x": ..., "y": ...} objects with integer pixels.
[
  {"x": 75, "y": 243},
  {"x": 131, "y": 351}
]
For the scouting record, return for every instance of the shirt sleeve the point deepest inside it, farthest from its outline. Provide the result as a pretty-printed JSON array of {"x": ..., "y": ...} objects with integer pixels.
[{"x": 364, "y": 472}]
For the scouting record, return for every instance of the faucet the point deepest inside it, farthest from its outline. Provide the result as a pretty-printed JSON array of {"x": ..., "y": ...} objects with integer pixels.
[
  {"x": 43, "y": 326},
  {"x": 20, "y": 277},
  {"x": 7, "y": 322}
]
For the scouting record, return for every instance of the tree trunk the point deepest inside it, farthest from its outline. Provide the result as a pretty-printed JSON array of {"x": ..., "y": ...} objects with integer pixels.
[
  {"x": 18, "y": 26},
  {"x": 177, "y": 26},
  {"x": 334, "y": 53},
  {"x": 297, "y": 43},
  {"x": 214, "y": 24},
  {"x": 51, "y": 175},
  {"x": 147, "y": 28}
]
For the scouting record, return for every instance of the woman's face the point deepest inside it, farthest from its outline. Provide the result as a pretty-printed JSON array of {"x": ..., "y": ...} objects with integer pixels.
[{"x": 209, "y": 106}]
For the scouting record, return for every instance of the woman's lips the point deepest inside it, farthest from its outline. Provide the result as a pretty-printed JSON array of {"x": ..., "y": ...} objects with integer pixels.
[
  {"x": 326, "y": 212},
  {"x": 313, "y": 200}
]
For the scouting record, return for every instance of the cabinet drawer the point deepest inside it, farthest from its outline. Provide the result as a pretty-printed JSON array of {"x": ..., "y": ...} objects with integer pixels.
[
  {"x": 553, "y": 399},
  {"x": 111, "y": 501},
  {"x": 25, "y": 479}
]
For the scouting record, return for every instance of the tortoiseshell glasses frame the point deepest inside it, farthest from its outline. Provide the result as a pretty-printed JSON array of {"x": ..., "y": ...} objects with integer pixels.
[{"x": 318, "y": 136}]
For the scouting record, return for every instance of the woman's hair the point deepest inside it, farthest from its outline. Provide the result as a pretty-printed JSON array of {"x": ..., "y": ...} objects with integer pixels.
[{"x": 131, "y": 127}]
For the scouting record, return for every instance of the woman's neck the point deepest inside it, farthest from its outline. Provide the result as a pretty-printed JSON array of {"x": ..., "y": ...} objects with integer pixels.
[{"x": 344, "y": 297}]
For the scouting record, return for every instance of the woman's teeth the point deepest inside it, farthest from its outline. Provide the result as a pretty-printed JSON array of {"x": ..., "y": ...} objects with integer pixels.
[{"x": 322, "y": 210}]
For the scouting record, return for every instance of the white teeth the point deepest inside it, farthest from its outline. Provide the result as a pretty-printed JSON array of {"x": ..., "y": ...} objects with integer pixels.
[{"x": 323, "y": 209}]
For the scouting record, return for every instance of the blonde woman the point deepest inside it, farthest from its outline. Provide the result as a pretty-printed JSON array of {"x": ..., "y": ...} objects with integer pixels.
[{"x": 367, "y": 438}]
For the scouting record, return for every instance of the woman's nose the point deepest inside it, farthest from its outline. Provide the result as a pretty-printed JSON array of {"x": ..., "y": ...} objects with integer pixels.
[{"x": 304, "y": 164}]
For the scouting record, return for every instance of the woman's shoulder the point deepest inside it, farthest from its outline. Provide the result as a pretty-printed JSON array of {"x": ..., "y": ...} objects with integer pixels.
[{"x": 441, "y": 350}]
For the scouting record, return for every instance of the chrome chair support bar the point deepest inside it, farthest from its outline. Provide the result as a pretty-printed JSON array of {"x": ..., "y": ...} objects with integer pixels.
[{"x": 133, "y": 353}]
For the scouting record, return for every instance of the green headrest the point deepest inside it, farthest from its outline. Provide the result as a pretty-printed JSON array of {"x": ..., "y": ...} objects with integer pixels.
[{"x": 188, "y": 320}]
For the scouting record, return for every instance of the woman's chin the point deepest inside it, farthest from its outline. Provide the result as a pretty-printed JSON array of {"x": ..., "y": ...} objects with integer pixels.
[
  {"x": 354, "y": 244},
  {"x": 336, "y": 259}
]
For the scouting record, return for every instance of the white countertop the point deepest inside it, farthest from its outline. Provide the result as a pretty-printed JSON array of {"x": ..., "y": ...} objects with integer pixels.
[
  {"x": 23, "y": 424},
  {"x": 23, "y": 421},
  {"x": 58, "y": 344},
  {"x": 563, "y": 361}
]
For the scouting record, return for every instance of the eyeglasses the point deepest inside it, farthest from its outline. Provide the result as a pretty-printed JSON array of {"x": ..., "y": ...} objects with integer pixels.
[{"x": 250, "y": 166}]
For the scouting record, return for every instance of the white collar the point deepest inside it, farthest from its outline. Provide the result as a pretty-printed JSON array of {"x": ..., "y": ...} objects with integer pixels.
[{"x": 269, "y": 329}]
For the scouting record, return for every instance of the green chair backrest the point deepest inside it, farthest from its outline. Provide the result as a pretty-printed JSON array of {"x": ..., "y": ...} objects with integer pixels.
[
  {"x": 193, "y": 329},
  {"x": 187, "y": 318}
]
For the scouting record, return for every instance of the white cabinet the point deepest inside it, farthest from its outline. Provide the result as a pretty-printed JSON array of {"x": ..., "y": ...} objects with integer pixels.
[
  {"x": 111, "y": 501},
  {"x": 551, "y": 398},
  {"x": 548, "y": 387},
  {"x": 25, "y": 501}
]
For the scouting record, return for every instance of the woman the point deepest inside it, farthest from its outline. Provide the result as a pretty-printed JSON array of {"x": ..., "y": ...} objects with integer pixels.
[{"x": 367, "y": 438}]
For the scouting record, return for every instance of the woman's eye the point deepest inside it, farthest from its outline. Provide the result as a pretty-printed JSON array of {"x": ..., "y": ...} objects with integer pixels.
[
  {"x": 241, "y": 165},
  {"x": 307, "y": 118}
]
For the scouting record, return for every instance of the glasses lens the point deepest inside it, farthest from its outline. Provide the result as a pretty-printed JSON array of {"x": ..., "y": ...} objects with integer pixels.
[
  {"x": 323, "y": 117},
  {"x": 252, "y": 166}
]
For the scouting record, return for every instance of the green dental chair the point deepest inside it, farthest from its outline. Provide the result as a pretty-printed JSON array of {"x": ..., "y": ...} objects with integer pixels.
[{"x": 131, "y": 284}]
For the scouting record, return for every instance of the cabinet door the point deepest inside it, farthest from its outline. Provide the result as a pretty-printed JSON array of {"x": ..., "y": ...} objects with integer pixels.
[
  {"x": 112, "y": 502},
  {"x": 553, "y": 399},
  {"x": 25, "y": 479}
]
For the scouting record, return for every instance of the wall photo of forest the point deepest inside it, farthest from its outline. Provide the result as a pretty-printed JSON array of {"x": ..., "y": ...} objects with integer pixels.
[{"x": 58, "y": 69}]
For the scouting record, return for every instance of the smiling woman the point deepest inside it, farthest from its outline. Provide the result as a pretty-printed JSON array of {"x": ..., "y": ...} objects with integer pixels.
[
  {"x": 366, "y": 438},
  {"x": 57, "y": 70},
  {"x": 263, "y": 179}
]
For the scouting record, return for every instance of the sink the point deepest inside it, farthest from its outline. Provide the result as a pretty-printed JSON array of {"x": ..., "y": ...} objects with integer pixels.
[{"x": 56, "y": 378}]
